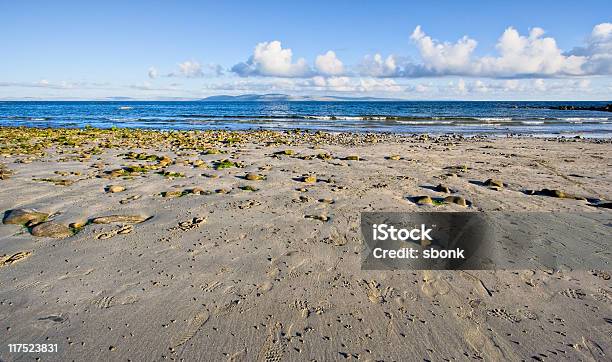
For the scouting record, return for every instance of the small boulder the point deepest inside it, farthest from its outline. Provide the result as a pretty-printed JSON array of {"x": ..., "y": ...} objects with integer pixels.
[
  {"x": 494, "y": 183},
  {"x": 173, "y": 193},
  {"x": 395, "y": 157},
  {"x": 309, "y": 179},
  {"x": 352, "y": 158},
  {"x": 24, "y": 217},
  {"x": 553, "y": 193},
  {"x": 51, "y": 229},
  {"x": 456, "y": 200},
  {"x": 254, "y": 177},
  {"x": 442, "y": 188},
  {"x": 115, "y": 188},
  {"x": 423, "y": 200}
]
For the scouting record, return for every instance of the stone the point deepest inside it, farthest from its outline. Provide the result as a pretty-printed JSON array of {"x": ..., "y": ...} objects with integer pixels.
[
  {"x": 352, "y": 158},
  {"x": 125, "y": 219},
  {"x": 51, "y": 229},
  {"x": 198, "y": 163},
  {"x": 197, "y": 191},
  {"x": 222, "y": 191},
  {"x": 553, "y": 193},
  {"x": 423, "y": 200},
  {"x": 326, "y": 201},
  {"x": 173, "y": 193},
  {"x": 395, "y": 157},
  {"x": 254, "y": 177},
  {"x": 323, "y": 218},
  {"x": 24, "y": 217},
  {"x": 248, "y": 188},
  {"x": 494, "y": 183},
  {"x": 310, "y": 179},
  {"x": 77, "y": 224},
  {"x": 455, "y": 200},
  {"x": 442, "y": 188},
  {"x": 115, "y": 188}
]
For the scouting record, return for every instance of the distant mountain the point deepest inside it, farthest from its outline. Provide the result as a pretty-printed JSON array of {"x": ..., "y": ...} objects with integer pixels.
[{"x": 274, "y": 97}]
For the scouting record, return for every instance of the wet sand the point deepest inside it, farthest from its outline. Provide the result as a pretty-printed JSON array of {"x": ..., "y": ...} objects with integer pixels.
[{"x": 246, "y": 246}]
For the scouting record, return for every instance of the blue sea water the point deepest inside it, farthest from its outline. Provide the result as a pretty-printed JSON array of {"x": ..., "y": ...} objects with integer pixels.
[{"x": 532, "y": 118}]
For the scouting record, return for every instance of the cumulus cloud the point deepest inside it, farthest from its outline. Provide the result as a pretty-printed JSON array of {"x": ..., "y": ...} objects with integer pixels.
[
  {"x": 377, "y": 66},
  {"x": 598, "y": 50},
  {"x": 270, "y": 59},
  {"x": 190, "y": 69},
  {"x": 444, "y": 58},
  {"x": 329, "y": 64},
  {"x": 519, "y": 56}
]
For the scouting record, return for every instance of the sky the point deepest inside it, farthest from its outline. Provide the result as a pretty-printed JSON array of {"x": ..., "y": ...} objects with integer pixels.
[{"x": 459, "y": 50}]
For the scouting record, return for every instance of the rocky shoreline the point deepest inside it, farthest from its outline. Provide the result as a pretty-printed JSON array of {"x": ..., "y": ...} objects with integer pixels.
[{"x": 150, "y": 245}]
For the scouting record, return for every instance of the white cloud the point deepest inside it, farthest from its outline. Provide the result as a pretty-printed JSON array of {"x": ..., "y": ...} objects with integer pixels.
[
  {"x": 270, "y": 59},
  {"x": 377, "y": 66},
  {"x": 598, "y": 50},
  {"x": 444, "y": 58},
  {"x": 329, "y": 64},
  {"x": 520, "y": 56},
  {"x": 190, "y": 69},
  {"x": 152, "y": 72},
  {"x": 193, "y": 69},
  {"x": 531, "y": 55}
]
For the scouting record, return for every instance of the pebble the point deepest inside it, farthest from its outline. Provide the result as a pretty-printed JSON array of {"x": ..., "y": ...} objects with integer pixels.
[
  {"x": 553, "y": 193},
  {"x": 423, "y": 200},
  {"x": 310, "y": 179},
  {"x": 115, "y": 188},
  {"x": 24, "y": 217},
  {"x": 323, "y": 218},
  {"x": 494, "y": 183},
  {"x": 352, "y": 158},
  {"x": 395, "y": 157},
  {"x": 173, "y": 193},
  {"x": 254, "y": 177},
  {"x": 455, "y": 200},
  {"x": 51, "y": 230},
  {"x": 442, "y": 188}
]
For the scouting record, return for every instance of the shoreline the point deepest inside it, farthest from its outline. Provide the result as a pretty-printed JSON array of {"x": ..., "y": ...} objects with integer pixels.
[{"x": 246, "y": 245}]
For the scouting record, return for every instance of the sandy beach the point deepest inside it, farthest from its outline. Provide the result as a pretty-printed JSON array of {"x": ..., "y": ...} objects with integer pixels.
[{"x": 240, "y": 246}]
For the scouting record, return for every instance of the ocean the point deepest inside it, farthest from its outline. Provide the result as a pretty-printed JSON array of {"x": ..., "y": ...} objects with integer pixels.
[{"x": 435, "y": 117}]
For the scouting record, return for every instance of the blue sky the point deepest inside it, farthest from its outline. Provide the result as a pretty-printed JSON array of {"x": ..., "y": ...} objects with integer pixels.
[{"x": 412, "y": 50}]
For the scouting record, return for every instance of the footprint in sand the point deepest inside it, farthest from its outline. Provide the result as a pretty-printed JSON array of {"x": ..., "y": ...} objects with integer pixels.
[
  {"x": 433, "y": 286},
  {"x": 193, "y": 326},
  {"x": 274, "y": 345},
  {"x": 190, "y": 224},
  {"x": 120, "y": 231},
  {"x": 10, "y": 259},
  {"x": 573, "y": 293}
]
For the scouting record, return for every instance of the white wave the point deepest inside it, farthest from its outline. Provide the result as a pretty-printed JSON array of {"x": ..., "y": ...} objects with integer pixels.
[
  {"x": 581, "y": 119},
  {"x": 425, "y": 122},
  {"x": 532, "y": 122},
  {"x": 494, "y": 119}
]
